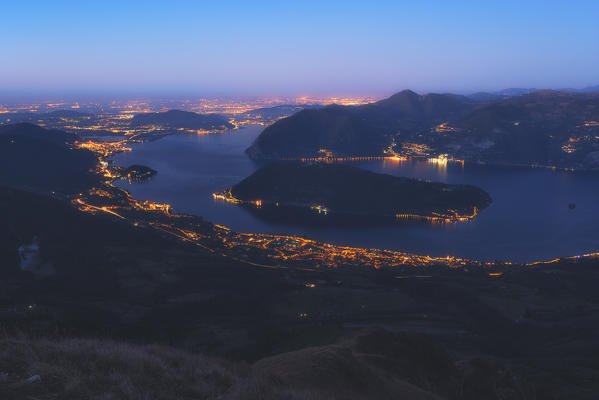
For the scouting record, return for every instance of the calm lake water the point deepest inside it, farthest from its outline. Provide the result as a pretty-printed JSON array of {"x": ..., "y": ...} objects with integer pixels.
[{"x": 528, "y": 220}]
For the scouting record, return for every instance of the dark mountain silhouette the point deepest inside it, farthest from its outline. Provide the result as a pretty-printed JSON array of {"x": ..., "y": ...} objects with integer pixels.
[
  {"x": 50, "y": 117},
  {"x": 587, "y": 89},
  {"x": 506, "y": 93},
  {"x": 593, "y": 89},
  {"x": 453, "y": 333},
  {"x": 486, "y": 96},
  {"x": 410, "y": 105},
  {"x": 357, "y": 130},
  {"x": 43, "y": 160},
  {"x": 182, "y": 119},
  {"x": 531, "y": 128},
  {"x": 510, "y": 92}
]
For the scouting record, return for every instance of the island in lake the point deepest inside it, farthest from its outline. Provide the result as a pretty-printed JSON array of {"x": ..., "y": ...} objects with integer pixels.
[
  {"x": 345, "y": 190},
  {"x": 136, "y": 173}
]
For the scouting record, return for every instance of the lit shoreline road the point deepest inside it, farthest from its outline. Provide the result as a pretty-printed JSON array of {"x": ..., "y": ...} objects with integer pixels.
[
  {"x": 272, "y": 251},
  {"x": 268, "y": 251}
]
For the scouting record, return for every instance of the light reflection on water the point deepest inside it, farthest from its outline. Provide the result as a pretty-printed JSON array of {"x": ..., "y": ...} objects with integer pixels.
[{"x": 528, "y": 220}]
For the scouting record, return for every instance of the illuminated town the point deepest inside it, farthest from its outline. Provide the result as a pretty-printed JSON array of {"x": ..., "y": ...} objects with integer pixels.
[
  {"x": 111, "y": 134},
  {"x": 264, "y": 250},
  {"x": 452, "y": 216},
  {"x": 113, "y": 117},
  {"x": 272, "y": 251},
  {"x": 311, "y": 200},
  {"x": 108, "y": 132}
]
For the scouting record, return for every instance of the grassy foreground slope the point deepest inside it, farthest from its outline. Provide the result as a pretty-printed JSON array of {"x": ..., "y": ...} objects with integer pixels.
[
  {"x": 369, "y": 365},
  {"x": 530, "y": 333}
]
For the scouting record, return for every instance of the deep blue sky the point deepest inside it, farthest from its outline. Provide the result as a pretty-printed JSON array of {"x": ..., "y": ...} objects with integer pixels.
[{"x": 297, "y": 47}]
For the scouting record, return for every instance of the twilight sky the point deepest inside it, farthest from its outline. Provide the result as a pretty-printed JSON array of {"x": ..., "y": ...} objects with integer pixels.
[{"x": 296, "y": 47}]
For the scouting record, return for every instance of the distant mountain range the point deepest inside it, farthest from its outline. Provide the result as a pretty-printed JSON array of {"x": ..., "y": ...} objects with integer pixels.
[
  {"x": 356, "y": 130},
  {"x": 182, "y": 119},
  {"x": 541, "y": 127},
  {"x": 511, "y": 92},
  {"x": 295, "y": 329}
]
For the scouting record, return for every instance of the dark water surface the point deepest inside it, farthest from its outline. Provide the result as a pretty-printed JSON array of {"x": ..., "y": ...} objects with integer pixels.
[{"x": 528, "y": 220}]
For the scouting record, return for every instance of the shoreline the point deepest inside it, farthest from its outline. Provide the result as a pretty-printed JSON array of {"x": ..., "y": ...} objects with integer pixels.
[
  {"x": 369, "y": 256},
  {"x": 277, "y": 250},
  {"x": 449, "y": 217}
]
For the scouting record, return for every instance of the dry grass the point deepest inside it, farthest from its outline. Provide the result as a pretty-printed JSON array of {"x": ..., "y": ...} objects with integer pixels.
[
  {"x": 105, "y": 370},
  {"x": 102, "y": 370},
  {"x": 372, "y": 365},
  {"x": 327, "y": 372}
]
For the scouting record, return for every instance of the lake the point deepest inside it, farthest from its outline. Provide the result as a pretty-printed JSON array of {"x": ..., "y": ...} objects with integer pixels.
[{"x": 528, "y": 220}]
